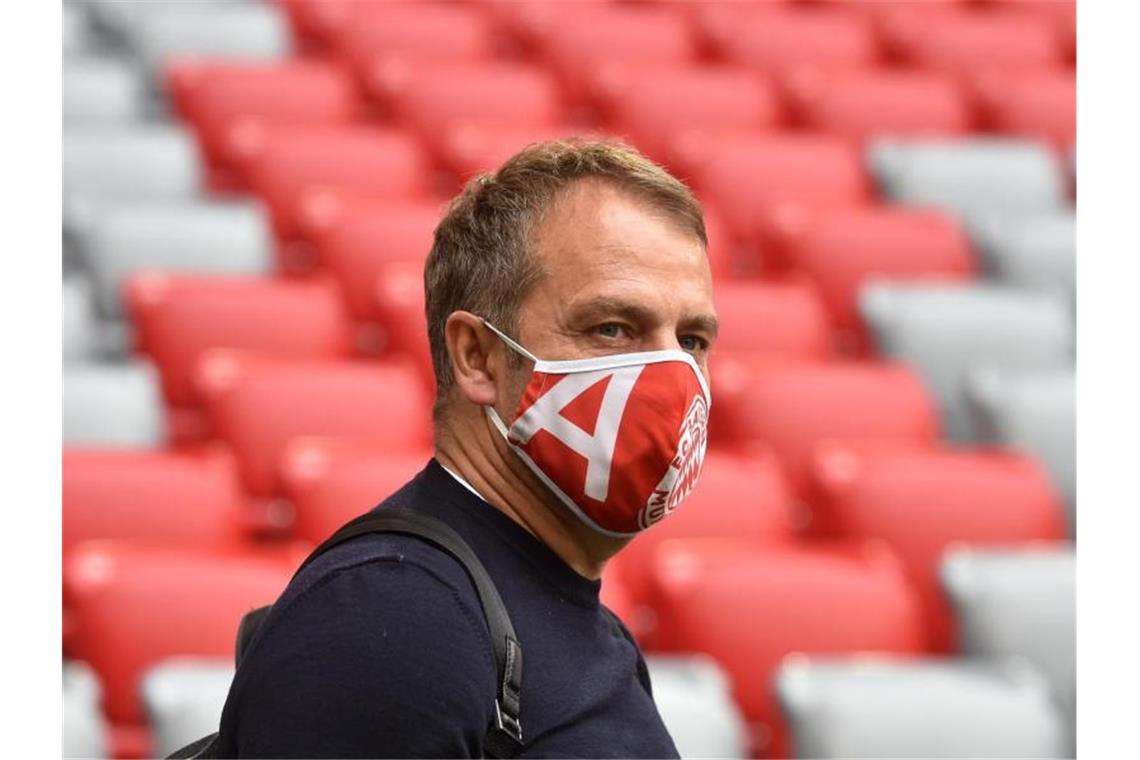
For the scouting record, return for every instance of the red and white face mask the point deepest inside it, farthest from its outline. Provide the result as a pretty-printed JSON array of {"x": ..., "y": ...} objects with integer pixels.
[{"x": 619, "y": 439}]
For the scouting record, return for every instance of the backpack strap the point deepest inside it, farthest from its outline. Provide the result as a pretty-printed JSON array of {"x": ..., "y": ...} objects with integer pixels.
[{"x": 504, "y": 736}]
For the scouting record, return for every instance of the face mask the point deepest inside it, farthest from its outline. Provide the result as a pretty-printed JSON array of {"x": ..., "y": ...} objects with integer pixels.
[{"x": 619, "y": 439}]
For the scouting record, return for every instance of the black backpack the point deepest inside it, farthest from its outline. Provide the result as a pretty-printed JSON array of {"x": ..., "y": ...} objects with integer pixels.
[{"x": 504, "y": 735}]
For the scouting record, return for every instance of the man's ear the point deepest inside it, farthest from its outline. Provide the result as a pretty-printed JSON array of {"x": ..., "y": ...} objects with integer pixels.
[{"x": 476, "y": 357}]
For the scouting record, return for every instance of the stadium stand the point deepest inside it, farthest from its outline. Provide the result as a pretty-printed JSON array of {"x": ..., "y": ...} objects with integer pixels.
[
  {"x": 113, "y": 405},
  {"x": 919, "y": 502},
  {"x": 946, "y": 331},
  {"x": 928, "y": 708},
  {"x": 249, "y": 193},
  {"x": 1035, "y": 412}
]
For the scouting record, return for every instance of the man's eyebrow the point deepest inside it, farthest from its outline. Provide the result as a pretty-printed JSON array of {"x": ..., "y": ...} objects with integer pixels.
[{"x": 702, "y": 322}]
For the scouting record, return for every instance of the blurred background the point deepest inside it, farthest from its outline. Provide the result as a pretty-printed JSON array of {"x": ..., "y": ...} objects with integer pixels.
[{"x": 879, "y": 559}]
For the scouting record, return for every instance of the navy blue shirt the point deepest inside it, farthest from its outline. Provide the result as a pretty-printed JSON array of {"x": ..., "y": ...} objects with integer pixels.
[{"x": 379, "y": 648}]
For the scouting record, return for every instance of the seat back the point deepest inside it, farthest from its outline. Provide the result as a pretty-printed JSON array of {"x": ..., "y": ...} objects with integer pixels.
[
  {"x": 85, "y": 731},
  {"x": 694, "y": 698},
  {"x": 1033, "y": 251},
  {"x": 183, "y": 699},
  {"x": 233, "y": 30},
  {"x": 101, "y": 90},
  {"x": 779, "y": 319},
  {"x": 80, "y": 330},
  {"x": 93, "y": 161},
  {"x": 113, "y": 405}
]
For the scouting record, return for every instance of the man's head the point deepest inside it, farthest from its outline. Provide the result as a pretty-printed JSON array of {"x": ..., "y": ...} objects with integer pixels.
[{"x": 569, "y": 237}]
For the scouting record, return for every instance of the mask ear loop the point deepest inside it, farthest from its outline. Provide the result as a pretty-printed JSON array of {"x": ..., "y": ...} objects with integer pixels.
[{"x": 510, "y": 343}]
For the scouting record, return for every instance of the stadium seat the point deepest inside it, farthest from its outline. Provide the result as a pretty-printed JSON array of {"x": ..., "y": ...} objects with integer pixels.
[
  {"x": 721, "y": 598},
  {"x": 793, "y": 406},
  {"x": 919, "y": 502},
  {"x": 380, "y": 39},
  {"x": 592, "y": 34},
  {"x": 187, "y": 499},
  {"x": 178, "y": 318},
  {"x": 113, "y": 406},
  {"x": 84, "y": 727},
  {"x": 1019, "y": 603},
  {"x": 1034, "y": 412},
  {"x": 446, "y": 93},
  {"x": 95, "y": 160},
  {"x": 693, "y": 696},
  {"x": 790, "y": 40},
  {"x": 227, "y": 102},
  {"x": 530, "y": 23},
  {"x": 778, "y": 318},
  {"x": 293, "y": 163},
  {"x": 844, "y": 708},
  {"x": 751, "y": 178},
  {"x": 945, "y": 331},
  {"x": 183, "y": 699},
  {"x": 650, "y": 103},
  {"x": 961, "y": 40},
  {"x": 187, "y": 28},
  {"x": 361, "y": 235},
  {"x": 400, "y": 310},
  {"x": 331, "y": 481},
  {"x": 257, "y": 404},
  {"x": 1038, "y": 103},
  {"x": 471, "y": 147},
  {"x": 80, "y": 329},
  {"x": 840, "y": 249},
  {"x": 77, "y": 34},
  {"x": 1034, "y": 251},
  {"x": 178, "y": 237},
  {"x": 969, "y": 176},
  {"x": 880, "y": 102},
  {"x": 740, "y": 496},
  {"x": 135, "y": 606},
  {"x": 101, "y": 90}
]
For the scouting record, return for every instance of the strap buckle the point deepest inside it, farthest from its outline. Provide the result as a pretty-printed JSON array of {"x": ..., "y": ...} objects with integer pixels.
[{"x": 507, "y": 723}]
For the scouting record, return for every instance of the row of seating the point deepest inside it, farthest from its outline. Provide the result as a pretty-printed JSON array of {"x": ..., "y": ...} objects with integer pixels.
[{"x": 132, "y": 609}]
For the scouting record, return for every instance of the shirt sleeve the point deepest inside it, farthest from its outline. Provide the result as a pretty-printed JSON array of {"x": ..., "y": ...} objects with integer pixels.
[{"x": 382, "y": 659}]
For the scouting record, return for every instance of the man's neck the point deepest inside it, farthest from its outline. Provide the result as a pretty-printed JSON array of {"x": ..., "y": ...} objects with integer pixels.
[{"x": 478, "y": 455}]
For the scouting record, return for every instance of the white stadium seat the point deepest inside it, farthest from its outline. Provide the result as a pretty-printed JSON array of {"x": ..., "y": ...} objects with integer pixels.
[
  {"x": 694, "y": 697},
  {"x": 84, "y": 727},
  {"x": 183, "y": 699},
  {"x": 113, "y": 405},
  {"x": 1036, "y": 251},
  {"x": 101, "y": 90}
]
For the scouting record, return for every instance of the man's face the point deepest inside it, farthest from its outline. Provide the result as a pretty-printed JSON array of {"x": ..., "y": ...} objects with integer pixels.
[{"x": 617, "y": 277}]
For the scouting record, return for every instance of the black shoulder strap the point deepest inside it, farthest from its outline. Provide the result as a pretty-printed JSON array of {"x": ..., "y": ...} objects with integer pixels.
[{"x": 504, "y": 737}]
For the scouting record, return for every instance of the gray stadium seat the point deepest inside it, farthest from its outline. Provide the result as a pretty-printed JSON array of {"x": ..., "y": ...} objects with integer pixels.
[
  {"x": 190, "y": 236},
  {"x": 113, "y": 405},
  {"x": 1035, "y": 412},
  {"x": 969, "y": 176},
  {"x": 80, "y": 332},
  {"x": 77, "y": 36},
  {"x": 851, "y": 708},
  {"x": 183, "y": 698},
  {"x": 1036, "y": 251},
  {"x": 1019, "y": 603},
  {"x": 164, "y": 30},
  {"x": 694, "y": 698},
  {"x": 101, "y": 90},
  {"x": 84, "y": 727},
  {"x": 948, "y": 330}
]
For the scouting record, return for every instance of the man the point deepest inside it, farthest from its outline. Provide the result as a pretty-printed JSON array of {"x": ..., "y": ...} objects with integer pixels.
[{"x": 570, "y": 315}]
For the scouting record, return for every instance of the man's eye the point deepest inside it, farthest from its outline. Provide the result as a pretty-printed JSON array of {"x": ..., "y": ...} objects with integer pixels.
[
  {"x": 693, "y": 343},
  {"x": 609, "y": 330}
]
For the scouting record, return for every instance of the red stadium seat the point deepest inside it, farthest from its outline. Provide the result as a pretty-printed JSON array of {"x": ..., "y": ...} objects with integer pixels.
[
  {"x": 840, "y": 249},
  {"x": 880, "y": 102},
  {"x": 472, "y": 147},
  {"x": 594, "y": 34},
  {"x": 257, "y": 404},
  {"x": 291, "y": 163},
  {"x": 133, "y": 606},
  {"x": 367, "y": 233},
  {"x": 179, "y": 317},
  {"x": 331, "y": 481},
  {"x": 439, "y": 95},
  {"x": 225, "y": 100},
  {"x": 921, "y": 501},
  {"x": 1039, "y": 103},
  {"x": 152, "y": 497},
  {"x": 792, "y": 407},
  {"x": 315, "y": 22},
  {"x": 532, "y": 22},
  {"x": 786, "y": 40},
  {"x": 743, "y": 497},
  {"x": 961, "y": 40},
  {"x": 616, "y": 597},
  {"x": 750, "y": 608},
  {"x": 751, "y": 178},
  {"x": 400, "y": 310},
  {"x": 777, "y": 319},
  {"x": 381, "y": 38},
  {"x": 650, "y": 103}
]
